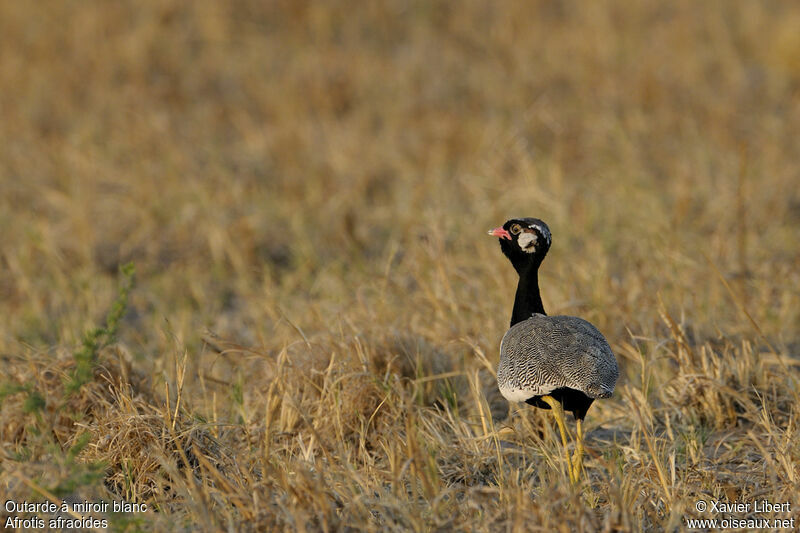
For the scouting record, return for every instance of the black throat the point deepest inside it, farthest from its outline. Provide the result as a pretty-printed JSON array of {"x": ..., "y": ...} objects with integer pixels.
[{"x": 527, "y": 300}]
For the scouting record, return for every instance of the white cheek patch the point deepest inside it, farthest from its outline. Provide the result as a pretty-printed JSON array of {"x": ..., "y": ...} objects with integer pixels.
[{"x": 527, "y": 241}]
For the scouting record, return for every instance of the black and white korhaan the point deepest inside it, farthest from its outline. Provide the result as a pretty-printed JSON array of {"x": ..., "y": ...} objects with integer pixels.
[{"x": 553, "y": 362}]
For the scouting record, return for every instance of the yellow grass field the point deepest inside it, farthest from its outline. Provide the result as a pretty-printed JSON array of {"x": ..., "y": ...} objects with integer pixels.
[{"x": 309, "y": 339}]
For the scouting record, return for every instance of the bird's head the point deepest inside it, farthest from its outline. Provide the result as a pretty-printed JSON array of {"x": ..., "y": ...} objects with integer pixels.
[{"x": 525, "y": 241}]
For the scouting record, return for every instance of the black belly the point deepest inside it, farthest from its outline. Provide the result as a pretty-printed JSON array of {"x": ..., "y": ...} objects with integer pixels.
[{"x": 571, "y": 399}]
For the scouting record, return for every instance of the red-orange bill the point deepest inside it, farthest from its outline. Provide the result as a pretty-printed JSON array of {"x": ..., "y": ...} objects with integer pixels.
[{"x": 500, "y": 232}]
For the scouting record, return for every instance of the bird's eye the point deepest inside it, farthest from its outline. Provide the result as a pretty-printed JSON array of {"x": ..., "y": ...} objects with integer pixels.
[{"x": 515, "y": 228}]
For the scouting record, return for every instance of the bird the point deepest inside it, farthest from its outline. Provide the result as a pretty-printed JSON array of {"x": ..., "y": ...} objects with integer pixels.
[{"x": 561, "y": 363}]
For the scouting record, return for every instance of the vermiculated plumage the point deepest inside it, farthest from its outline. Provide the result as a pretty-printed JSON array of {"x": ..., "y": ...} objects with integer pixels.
[{"x": 563, "y": 356}]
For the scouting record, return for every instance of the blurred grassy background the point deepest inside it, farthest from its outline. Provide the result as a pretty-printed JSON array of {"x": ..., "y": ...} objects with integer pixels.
[{"x": 287, "y": 167}]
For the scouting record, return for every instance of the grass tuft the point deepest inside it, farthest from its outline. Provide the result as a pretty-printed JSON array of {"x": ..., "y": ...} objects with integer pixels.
[{"x": 98, "y": 338}]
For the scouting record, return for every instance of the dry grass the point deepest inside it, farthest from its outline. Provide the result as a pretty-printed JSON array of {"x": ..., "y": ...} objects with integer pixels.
[{"x": 305, "y": 190}]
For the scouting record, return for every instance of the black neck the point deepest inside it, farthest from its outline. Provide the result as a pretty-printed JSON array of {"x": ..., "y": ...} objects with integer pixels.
[{"x": 528, "y": 300}]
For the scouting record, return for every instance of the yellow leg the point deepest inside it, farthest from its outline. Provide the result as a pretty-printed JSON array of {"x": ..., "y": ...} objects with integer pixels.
[
  {"x": 577, "y": 459},
  {"x": 558, "y": 412}
]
